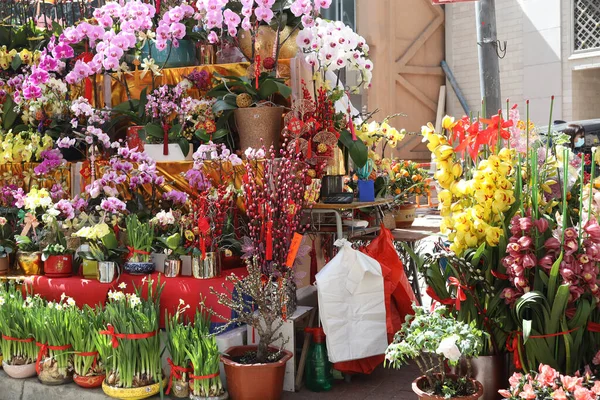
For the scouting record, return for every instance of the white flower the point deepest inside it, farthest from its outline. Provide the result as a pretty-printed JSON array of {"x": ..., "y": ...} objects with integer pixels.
[
  {"x": 70, "y": 302},
  {"x": 449, "y": 349},
  {"x": 59, "y": 307},
  {"x": 122, "y": 285},
  {"x": 50, "y": 305},
  {"x": 63, "y": 296},
  {"x": 181, "y": 302},
  {"x": 134, "y": 300},
  {"x": 164, "y": 218},
  {"x": 2, "y": 300}
]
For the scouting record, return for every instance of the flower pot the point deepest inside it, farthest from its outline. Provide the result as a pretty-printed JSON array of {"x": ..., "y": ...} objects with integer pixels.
[
  {"x": 172, "y": 268},
  {"x": 405, "y": 215},
  {"x": 224, "y": 396},
  {"x": 107, "y": 271},
  {"x": 133, "y": 138},
  {"x": 139, "y": 268},
  {"x": 266, "y": 40},
  {"x": 59, "y": 266},
  {"x": 419, "y": 384},
  {"x": 242, "y": 379},
  {"x": 256, "y": 123},
  {"x": 50, "y": 374},
  {"x": 131, "y": 393},
  {"x": 89, "y": 269},
  {"x": 156, "y": 152},
  {"x": 30, "y": 262},
  {"x": 19, "y": 371},
  {"x": 171, "y": 57},
  {"x": 207, "y": 268},
  {"x": 89, "y": 382},
  {"x": 4, "y": 264},
  {"x": 180, "y": 388}
]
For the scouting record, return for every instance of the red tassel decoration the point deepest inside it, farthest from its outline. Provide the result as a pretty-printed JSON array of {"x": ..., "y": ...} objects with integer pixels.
[
  {"x": 313, "y": 263},
  {"x": 269, "y": 240}
]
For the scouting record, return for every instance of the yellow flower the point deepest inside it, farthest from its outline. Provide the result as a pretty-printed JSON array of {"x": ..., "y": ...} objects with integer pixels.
[
  {"x": 448, "y": 122},
  {"x": 492, "y": 235},
  {"x": 443, "y": 152},
  {"x": 457, "y": 170},
  {"x": 445, "y": 197}
]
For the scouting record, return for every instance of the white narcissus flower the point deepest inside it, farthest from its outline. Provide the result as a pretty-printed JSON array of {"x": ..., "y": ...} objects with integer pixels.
[
  {"x": 449, "y": 349},
  {"x": 70, "y": 302},
  {"x": 122, "y": 285}
]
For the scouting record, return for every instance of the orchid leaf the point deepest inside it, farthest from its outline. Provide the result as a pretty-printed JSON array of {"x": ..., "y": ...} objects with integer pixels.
[{"x": 526, "y": 330}]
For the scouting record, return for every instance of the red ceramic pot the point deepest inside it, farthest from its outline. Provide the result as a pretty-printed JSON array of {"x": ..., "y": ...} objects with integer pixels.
[
  {"x": 89, "y": 382},
  {"x": 59, "y": 266}
]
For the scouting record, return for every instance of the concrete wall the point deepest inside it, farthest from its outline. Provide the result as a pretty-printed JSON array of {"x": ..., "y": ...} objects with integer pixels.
[{"x": 586, "y": 94}]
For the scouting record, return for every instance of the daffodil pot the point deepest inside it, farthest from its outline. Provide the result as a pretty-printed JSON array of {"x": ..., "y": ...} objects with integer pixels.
[
  {"x": 224, "y": 396},
  {"x": 366, "y": 190},
  {"x": 258, "y": 126},
  {"x": 59, "y": 266},
  {"x": 174, "y": 153},
  {"x": 19, "y": 371},
  {"x": 30, "y": 262},
  {"x": 172, "y": 268},
  {"x": 184, "y": 55},
  {"x": 405, "y": 215},
  {"x": 89, "y": 269},
  {"x": 137, "y": 393},
  {"x": 139, "y": 268},
  {"x": 53, "y": 375},
  {"x": 206, "y": 267},
  {"x": 420, "y": 387},
  {"x": 89, "y": 381},
  {"x": 107, "y": 271},
  {"x": 242, "y": 379},
  {"x": 4, "y": 264},
  {"x": 180, "y": 388}
]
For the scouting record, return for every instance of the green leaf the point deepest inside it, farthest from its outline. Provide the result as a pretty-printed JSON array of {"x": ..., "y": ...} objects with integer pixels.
[
  {"x": 154, "y": 130},
  {"x": 553, "y": 279},
  {"x": 357, "y": 149},
  {"x": 222, "y": 105},
  {"x": 221, "y": 133},
  {"x": 10, "y": 115},
  {"x": 175, "y": 130},
  {"x": 267, "y": 89},
  {"x": 526, "y": 330},
  {"x": 16, "y": 62},
  {"x": 56, "y": 28},
  {"x": 201, "y": 135},
  {"x": 142, "y": 102},
  {"x": 284, "y": 89},
  {"x": 184, "y": 145}
]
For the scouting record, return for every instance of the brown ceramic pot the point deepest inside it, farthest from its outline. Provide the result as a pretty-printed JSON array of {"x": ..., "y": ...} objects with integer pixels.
[
  {"x": 242, "y": 379},
  {"x": 256, "y": 123},
  {"x": 420, "y": 382}
]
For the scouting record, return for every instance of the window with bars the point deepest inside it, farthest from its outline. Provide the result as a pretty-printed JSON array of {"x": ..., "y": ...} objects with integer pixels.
[{"x": 586, "y": 21}]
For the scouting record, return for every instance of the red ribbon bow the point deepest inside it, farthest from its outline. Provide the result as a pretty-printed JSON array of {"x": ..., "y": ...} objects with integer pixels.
[
  {"x": 431, "y": 293},
  {"x": 203, "y": 377},
  {"x": 133, "y": 251},
  {"x": 110, "y": 330},
  {"x": 89, "y": 354},
  {"x": 176, "y": 373},
  {"x": 44, "y": 347},
  {"x": 460, "y": 294}
]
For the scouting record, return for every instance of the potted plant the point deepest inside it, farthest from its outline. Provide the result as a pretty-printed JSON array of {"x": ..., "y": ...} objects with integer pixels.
[
  {"x": 252, "y": 101},
  {"x": 131, "y": 343},
  {"x": 140, "y": 236},
  {"x": 178, "y": 341},
  {"x": 7, "y": 247},
  {"x": 407, "y": 179},
  {"x": 19, "y": 351},
  {"x": 173, "y": 247},
  {"x": 203, "y": 353},
  {"x": 51, "y": 325},
  {"x": 57, "y": 257},
  {"x": 29, "y": 256},
  {"x": 88, "y": 366},
  {"x": 433, "y": 339},
  {"x": 101, "y": 260}
]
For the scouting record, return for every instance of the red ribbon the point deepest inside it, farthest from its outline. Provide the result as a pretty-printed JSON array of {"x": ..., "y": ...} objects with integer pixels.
[
  {"x": 44, "y": 347},
  {"x": 460, "y": 294},
  {"x": 499, "y": 275},
  {"x": 133, "y": 251},
  {"x": 269, "y": 240},
  {"x": 176, "y": 372},
  {"x": 593, "y": 327},
  {"x": 513, "y": 342},
  {"x": 434, "y": 297},
  {"x": 350, "y": 122},
  {"x": 110, "y": 331},
  {"x": 257, "y": 69},
  {"x": 203, "y": 377},
  {"x": 89, "y": 354},
  {"x": 12, "y": 339}
]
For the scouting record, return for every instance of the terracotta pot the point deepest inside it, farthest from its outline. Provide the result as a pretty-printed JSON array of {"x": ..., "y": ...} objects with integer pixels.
[
  {"x": 256, "y": 123},
  {"x": 131, "y": 393},
  {"x": 59, "y": 266},
  {"x": 4, "y": 264},
  {"x": 19, "y": 371},
  {"x": 405, "y": 215},
  {"x": 242, "y": 379},
  {"x": 421, "y": 381},
  {"x": 133, "y": 138},
  {"x": 89, "y": 382},
  {"x": 30, "y": 262}
]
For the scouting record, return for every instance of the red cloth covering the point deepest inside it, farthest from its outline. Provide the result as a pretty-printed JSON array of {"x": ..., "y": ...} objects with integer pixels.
[
  {"x": 92, "y": 292},
  {"x": 399, "y": 297}
]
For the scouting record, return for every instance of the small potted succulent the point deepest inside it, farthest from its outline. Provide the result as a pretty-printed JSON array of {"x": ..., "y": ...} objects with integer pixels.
[
  {"x": 140, "y": 237},
  {"x": 253, "y": 103},
  {"x": 17, "y": 344},
  {"x": 433, "y": 339},
  {"x": 87, "y": 365}
]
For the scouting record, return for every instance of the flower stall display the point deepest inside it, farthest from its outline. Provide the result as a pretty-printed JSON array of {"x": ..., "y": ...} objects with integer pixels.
[
  {"x": 140, "y": 237},
  {"x": 253, "y": 104},
  {"x": 51, "y": 329},
  {"x": 88, "y": 366},
  {"x": 131, "y": 343},
  {"x": 19, "y": 352},
  {"x": 102, "y": 258},
  {"x": 406, "y": 179},
  {"x": 433, "y": 339}
]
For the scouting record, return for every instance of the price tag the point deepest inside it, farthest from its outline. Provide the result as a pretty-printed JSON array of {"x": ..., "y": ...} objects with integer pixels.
[{"x": 293, "y": 251}]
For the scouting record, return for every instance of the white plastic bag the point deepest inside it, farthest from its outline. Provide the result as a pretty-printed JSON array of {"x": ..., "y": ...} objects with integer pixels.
[{"x": 352, "y": 305}]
